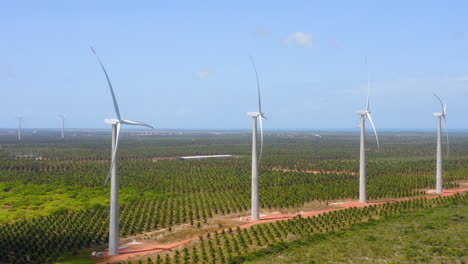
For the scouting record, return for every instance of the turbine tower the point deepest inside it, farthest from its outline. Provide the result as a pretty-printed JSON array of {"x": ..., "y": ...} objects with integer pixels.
[
  {"x": 62, "y": 117},
  {"x": 113, "y": 172},
  {"x": 365, "y": 114},
  {"x": 20, "y": 121},
  {"x": 439, "y": 174},
  {"x": 256, "y": 156}
]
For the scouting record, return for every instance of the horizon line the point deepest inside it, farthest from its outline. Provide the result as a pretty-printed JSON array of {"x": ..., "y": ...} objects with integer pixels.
[{"x": 241, "y": 129}]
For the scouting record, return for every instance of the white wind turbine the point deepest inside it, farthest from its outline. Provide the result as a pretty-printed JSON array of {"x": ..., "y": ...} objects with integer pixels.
[
  {"x": 20, "y": 121},
  {"x": 255, "y": 158},
  {"x": 62, "y": 118},
  {"x": 439, "y": 180},
  {"x": 362, "y": 161},
  {"x": 113, "y": 172}
]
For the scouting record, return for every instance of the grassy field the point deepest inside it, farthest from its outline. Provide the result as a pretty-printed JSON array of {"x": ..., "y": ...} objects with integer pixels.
[
  {"x": 432, "y": 236},
  {"x": 26, "y": 201}
]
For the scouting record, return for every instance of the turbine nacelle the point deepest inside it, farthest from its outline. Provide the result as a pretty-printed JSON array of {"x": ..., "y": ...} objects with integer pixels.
[
  {"x": 362, "y": 112},
  {"x": 440, "y": 114},
  {"x": 254, "y": 114},
  {"x": 111, "y": 121}
]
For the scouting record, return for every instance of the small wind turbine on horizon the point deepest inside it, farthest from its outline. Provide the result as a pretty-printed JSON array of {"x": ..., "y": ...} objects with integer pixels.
[
  {"x": 256, "y": 159},
  {"x": 439, "y": 166},
  {"x": 62, "y": 117},
  {"x": 113, "y": 171},
  {"x": 20, "y": 121},
  {"x": 365, "y": 114}
]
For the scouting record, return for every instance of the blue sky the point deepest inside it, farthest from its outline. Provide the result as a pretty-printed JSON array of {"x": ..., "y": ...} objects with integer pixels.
[{"x": 185, "y": 64}]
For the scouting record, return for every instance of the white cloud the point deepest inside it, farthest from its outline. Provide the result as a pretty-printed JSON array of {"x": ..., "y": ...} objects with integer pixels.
[
  {"x": 203, "y": 74},
  {"x": 300, "y": 38}
]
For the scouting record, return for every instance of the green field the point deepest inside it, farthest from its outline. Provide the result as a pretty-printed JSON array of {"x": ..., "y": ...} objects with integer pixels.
[
  {"x": 57, "y": 205},
  {"x": 431, "y": 236}
]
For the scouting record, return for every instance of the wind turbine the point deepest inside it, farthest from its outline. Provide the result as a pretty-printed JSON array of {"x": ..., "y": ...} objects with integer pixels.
[
  {"x": 63, "y": 125},
  {"x": 256, "y": 159},
  {"x": 20, "y": 121},
  {"x": 113, "y": 172},
  {"x": 362, "y": 161},
  {"x": 439, "y": 180}
]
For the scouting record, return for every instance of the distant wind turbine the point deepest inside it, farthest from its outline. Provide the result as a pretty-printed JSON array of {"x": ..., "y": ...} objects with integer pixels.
[
  {"x": 255, "y": 158},
  {"x": 20, "y": 121},
  {"x": 113, "y": 172},
  {"x": 439, "y": 173},
  {"x": 62, "y": 117},
  {"x": 362, "y": 161}
]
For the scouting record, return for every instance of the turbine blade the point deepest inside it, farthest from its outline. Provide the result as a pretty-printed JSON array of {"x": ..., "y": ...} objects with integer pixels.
[
  {"x": 135, "y": 123},
  {"x": 258, "y": 85},
  {"x": 261, "y": 139},
  {"x": 368, "y": 91},
  {"x": 116, "y": 148},
  {"x": 375, "y": 131},
  {"x": 116, "y": 106},
  {"x": 447, "y": 133},
  {"x": 368, "y": 84},
  {"x": 441, "y": 103}
]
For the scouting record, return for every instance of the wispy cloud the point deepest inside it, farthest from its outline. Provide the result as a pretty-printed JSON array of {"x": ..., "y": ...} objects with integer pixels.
[
  {"x": 300, "y": 38},
  {"x": 203, "y": 74}
]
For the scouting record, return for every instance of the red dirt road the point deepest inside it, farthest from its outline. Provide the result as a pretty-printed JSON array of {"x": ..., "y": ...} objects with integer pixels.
[{"x": 148, "y": 248}]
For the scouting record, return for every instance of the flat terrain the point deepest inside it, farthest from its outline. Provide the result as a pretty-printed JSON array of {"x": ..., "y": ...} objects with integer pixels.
[
  {"x": 134, "y": 252},
  {"x": 54, "y": 206},
  {"x": 432, "y": 236}
]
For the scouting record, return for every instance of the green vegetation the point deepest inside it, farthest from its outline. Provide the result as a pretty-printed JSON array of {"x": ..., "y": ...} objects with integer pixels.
[
  {"x": 56, "y": 205},
  {"x": 241, "y": 245},
  {"x": 430, "y": 236},
  {"x": 25, "y": 201}
]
